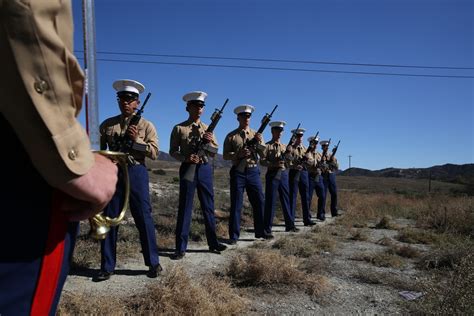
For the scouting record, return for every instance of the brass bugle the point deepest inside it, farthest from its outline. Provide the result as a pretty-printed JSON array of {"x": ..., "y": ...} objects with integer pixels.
[{"x": 99, "y": 223}]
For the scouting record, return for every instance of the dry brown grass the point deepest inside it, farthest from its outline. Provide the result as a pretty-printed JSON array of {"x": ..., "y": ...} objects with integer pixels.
[
  {"x": 86, "y": 304},
  {"x": 417, "y": 236},
  {"x": 449, "y": 215},
  {"x": 447, "y": 256},
  {"x": 397, "y": 281},
  {"x": 176, "y": 294},
  {"x": 305, "y": 245},
  {"x": 450, "y": 294},
  {"x": 359, "y": 235},
  {"x": 405, "y": 251},
  {"x": 267, "y": 268},
  {"x": 386, "y": 222},
  {"x": 385, "y": 241},
  {"x": 380, "y": 259}
]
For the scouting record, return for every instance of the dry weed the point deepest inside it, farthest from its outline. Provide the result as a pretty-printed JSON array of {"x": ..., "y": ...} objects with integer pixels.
[
  {"x": 386, "y": 222},
  {"x": 451, "y": 294},
  {"x": 385, "y": 241},
  {"x": 454, "y": 215},
  {"x": 405, "y": 251},
  {"x": 381, "y": 259},
  {"x": 401, "y": 282},
  {"x": 178, "y": 294},
  {"x": 304, "y": 245},
  {"x": 359, "y": 234},
  {"x": 269, "y": 268},
  {"x": 85, "y": 304},
  {"x": 447, "y": 256},
  {"x": 417, "y": 236}
]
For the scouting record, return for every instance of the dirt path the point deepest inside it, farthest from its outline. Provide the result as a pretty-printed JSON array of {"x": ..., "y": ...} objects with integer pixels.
[
  {"x": 357, "y": 286},
  {"x": 130, "y": 276}
]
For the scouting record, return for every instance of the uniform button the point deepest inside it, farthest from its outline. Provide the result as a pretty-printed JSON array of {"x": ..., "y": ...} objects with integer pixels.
[
  {"x": 41, "y": 86},
  {"x": 72, "y": 154}
]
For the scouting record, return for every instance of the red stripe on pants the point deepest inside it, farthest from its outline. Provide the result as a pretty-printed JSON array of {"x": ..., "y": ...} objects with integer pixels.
[{"x": 52, "y": 260}]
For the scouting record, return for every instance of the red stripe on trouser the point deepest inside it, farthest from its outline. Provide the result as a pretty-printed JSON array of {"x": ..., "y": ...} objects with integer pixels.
[{"x": 52, "y": 260}]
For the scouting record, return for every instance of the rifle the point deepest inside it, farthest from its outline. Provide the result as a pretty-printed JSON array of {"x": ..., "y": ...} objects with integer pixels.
[
  {"x": 334, "y": 150},
  {"x": 251, "y": 144},
  {"x": 202, "y": 147},
  {"x": 303, "y": 159},
  {"x": 124, "y": 143},
  {"x": 290, "y": 143}
]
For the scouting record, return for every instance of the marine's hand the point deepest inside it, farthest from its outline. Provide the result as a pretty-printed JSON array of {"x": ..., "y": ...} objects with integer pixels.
[
  {"x": 132, "y": 132},
  {"x": 207, "y": 136},
  {"x": 193, "y": 158},
  {"x": 244, "y": 153},
  {"x": 88, "y": 194},
  {"x": 258, "y": 137}
]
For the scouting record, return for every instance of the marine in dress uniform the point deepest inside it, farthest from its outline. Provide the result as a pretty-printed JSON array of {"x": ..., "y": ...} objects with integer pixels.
[
  {"x": 49, "y": 156},
  {"x": 275, "y": 157},
  {"x": 299, "y": 179},
  {"x": 329, "y": 166},
  {"x": 247, "y": 179},
  {"x": 315, "y": 176},
  {"x": 145, "y": 144},
  {"x": 184, "y": 138}
]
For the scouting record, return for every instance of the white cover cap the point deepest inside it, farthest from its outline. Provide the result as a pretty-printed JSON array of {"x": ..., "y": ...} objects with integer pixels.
[
  {"x": 299, "y": 131},
  {"x": 324, "y": 143},
  {"x": 195, "y": 96},
  {"x": 127, "y": 85},
  {"x": 280, "y": 124},
  {"x": 244, "y": 108},
  {"x": 311, "y": 138}
]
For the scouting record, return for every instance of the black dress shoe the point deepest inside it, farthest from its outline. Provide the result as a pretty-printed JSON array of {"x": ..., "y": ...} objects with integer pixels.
[
  {"x": 177, "y": 256},
  {"x": 292, "y": 229},
  {"x": 310, "y": 223},
  {"x": 217, "y": 249},
  {"x": 322, "y": 219},
  {"x": 154, "y": 271},
  {"x": 102, "y": 276},
  {"x": 267, "y": 236},
  {"x": 232, "y": 241}
]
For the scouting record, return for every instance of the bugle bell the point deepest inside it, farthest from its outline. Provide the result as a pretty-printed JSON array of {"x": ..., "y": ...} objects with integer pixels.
[{"x": 99, "y": 223}]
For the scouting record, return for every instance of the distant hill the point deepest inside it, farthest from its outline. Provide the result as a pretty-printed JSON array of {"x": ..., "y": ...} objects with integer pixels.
[
  {"x": 218, "y": 163},
  {"x": 463, "y": 174}
]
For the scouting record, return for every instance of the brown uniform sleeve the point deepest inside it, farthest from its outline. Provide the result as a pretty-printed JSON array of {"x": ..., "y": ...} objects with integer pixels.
[
  {"x": 42, "y": 84},
  {"x": 174, "y": 145},
  {"x": 150, "y": 141},
  {"x": 229, "y": 153}
]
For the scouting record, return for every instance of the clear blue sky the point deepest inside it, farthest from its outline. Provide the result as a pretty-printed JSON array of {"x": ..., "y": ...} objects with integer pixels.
[{"x": 382, "y": 121}]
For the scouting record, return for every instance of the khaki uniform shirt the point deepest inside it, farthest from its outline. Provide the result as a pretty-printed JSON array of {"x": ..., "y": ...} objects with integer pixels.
[
  {"x": 312, "y": 163},
  {"x": 42, "y": 86},
  {"x": 184, "y": 136},
  {"x": 234, "y": 142},
  {"x": 116, "y": 126},
  {"x": 330, "y": 166},
  {"x": 272, "y": 155},
  {"x": 297, "y": 153}
]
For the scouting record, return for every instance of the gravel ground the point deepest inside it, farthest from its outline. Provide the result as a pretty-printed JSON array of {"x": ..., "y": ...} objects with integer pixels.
[{"x": 349, "y": 295}]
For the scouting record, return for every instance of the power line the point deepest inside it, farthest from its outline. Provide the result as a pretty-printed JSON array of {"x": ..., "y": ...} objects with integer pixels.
[
  {"x": 284, "y": 61},
  {"x": 286, "y": 69}
]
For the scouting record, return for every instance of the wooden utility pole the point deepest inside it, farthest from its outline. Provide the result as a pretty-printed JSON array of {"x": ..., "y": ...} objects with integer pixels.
[
  {"x": 350, "y": 161},
  {"x": 429, "y": 183}
]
